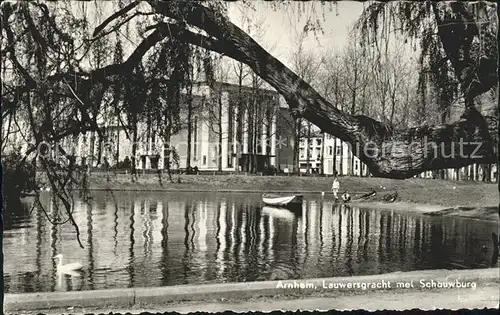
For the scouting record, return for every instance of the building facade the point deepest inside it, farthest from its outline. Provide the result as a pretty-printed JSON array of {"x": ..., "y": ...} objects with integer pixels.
[
  {"x": 334, "y": 156},
  {"x": 232, "y": 128},
  {"x": 338, "y": 157}
]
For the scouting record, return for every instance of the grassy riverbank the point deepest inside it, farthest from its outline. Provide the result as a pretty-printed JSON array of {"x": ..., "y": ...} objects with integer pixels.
[{"x": 420, "y": 191}]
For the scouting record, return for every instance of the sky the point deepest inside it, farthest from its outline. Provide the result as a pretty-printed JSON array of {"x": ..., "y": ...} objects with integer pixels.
[{"x": 281, "y": 26}]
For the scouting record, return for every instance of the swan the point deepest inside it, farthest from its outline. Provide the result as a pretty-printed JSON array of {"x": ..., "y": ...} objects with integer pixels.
[{"x": 68, "y": 268}]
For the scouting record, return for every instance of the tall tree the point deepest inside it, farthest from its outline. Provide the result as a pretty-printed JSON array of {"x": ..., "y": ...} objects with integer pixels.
[
  {"x": 356, "y": 77},
  {"x": 307, "y": 65},
  {"x": 59, "y": 69}
]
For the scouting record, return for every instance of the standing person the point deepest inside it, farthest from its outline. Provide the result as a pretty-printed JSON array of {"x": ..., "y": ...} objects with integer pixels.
[{"x": 335, "y": 186}]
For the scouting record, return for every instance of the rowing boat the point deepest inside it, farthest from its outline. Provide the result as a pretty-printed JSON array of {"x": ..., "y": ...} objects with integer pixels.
[{"x": 282, "y": 201}]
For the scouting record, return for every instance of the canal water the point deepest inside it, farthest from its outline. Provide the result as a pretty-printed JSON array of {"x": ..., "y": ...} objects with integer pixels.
[{"x": 162, "y": 239}]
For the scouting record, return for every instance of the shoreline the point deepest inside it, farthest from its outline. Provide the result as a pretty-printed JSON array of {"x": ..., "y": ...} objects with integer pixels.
[
  {"x": 468, "y": 199},
  {"x": 484, "y": 280}
]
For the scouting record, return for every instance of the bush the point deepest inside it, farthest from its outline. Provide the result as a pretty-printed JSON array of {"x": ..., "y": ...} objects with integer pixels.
[
  {"x": 192, "y": 170},
  {"x": 270, "y": 170},
  {"x": 18, "y": 176},
  {"x": 126, "y": 164}
]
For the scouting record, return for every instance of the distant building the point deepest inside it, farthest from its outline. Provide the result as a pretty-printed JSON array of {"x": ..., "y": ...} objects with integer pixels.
[
  {"x": 233, "y": 130},
  {"x": 342, "y": 157},
  {"x": 315, "y": 156},
  {"x": 244, "y": 126},
  {"x": 336, "y": 157}
]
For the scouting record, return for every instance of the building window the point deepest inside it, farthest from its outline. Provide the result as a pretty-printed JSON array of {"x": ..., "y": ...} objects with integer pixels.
[
  {"x": 338, "y": 150},
  {"x": 204, "y": 160},
  {"x": 154, "y": 161},
  {"x": 302, "y": 153},
  {"x": 318, "y": 141},
  {"x": 356, "y": 165},
  {"x": 216, "y": 154},
  {"x": 330, "y": 150}
]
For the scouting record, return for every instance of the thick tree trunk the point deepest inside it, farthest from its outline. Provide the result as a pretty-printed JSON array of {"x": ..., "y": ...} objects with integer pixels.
[
  {"x": 92, "y": 150},
  {"x": 486, "y": 173},
  {"x": 133, "y": 170},
  {"x": 322, "y": 160},
  {"x": 239, "y": 121},
  {"x": 308, "y": 149},
  {"x": 335, "y": 170},
  {"x": 296, "y": 145},
  {"x": 219, "y": 124},
  {"x": 350, "y": 153},
  {"x": 167, "y": 149},
  {"x": 352, "y": 165},
  {"x": 255, "y": 139},
  {"x": 189, "y": 126},
  {"x": 117, "y": 154}
]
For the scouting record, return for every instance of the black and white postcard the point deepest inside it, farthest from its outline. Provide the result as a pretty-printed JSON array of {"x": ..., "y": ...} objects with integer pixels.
[{"x": 249, "y": 155}]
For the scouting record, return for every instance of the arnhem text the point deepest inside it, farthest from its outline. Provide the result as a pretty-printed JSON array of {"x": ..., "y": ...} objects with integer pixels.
[{"x": 423, "y": 283}]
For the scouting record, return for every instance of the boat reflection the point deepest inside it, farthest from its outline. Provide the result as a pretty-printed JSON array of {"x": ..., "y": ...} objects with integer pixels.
[{"x": 279, "y": 213}]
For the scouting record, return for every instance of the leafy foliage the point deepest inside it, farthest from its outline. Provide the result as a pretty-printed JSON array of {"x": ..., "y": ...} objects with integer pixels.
[
  {"x": 457, "y": 41},
  {"x": 18, "y": 176}
]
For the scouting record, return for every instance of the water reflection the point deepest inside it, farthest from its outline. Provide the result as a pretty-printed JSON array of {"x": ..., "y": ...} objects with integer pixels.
[{"x": 136, "y": 240}]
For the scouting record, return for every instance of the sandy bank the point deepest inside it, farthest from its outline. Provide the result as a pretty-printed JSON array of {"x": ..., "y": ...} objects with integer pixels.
[
  {"x": 479, "y": 213},
  {"x": 481, "y": 291}
]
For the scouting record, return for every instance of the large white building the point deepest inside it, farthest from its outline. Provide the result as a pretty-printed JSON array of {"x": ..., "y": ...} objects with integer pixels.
[
  {"x": 214, "y": 127},
  {"x": 217, "y": 121},
  {"x": 335, "y": 157}
]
